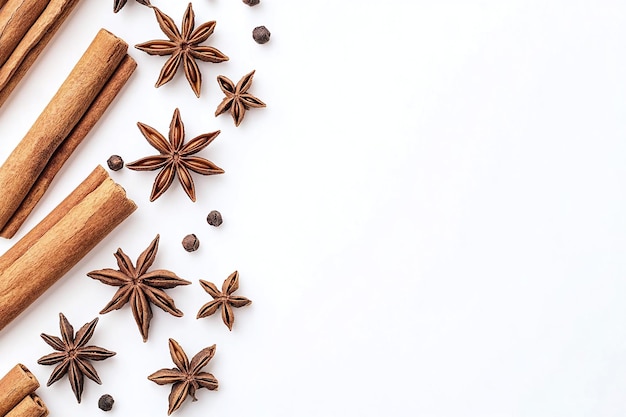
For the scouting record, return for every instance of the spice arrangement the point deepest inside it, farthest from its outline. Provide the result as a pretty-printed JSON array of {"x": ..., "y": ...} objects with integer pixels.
[{"x": 99, "y": 204}]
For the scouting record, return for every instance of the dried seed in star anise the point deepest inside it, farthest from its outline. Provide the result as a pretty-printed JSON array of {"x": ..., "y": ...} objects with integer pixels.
[
  {"x": 214, "y": 218},
  {"x": 191, "y": 243},
  {"x": 115, "y": 162},
  {"x": 261, "y": 35}
]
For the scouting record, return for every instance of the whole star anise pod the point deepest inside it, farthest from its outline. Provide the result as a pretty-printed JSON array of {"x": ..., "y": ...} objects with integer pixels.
[
  {"x": 224, "y": 300},
  {"x": 175, "y": 159},
  {"x": 118, "y": 4},
  {"x": 73, "y": 356},
  {"x": 187, "y": 376},
  {"x": 140, "y": 287},
  {"x": 184, "y": 48},
  {"x": 237, "y": 99}
]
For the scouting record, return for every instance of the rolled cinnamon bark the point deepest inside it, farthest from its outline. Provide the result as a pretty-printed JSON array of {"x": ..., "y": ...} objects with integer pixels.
[
  {"x": 61, "y": 115},
  {"x": 16, "y": 17},
  {"x": 32, "y": 44},
  {"x": 58, "y": 242},
  {"x": 30, "y": 406},
  {"x": 14, "y": 386},
  {"x": 67, "y": 147}
]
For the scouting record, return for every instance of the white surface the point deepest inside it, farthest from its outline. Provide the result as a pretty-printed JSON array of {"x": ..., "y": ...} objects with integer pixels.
[{"x": 429, "y": 216}]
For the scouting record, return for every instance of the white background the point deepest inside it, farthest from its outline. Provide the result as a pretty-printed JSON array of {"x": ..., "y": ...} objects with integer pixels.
[{"x": 429, "y": 215}]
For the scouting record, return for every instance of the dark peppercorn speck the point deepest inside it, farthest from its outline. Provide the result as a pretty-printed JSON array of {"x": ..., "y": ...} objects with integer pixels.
[
  {"x": 260, "y": 34},
  {"x": 191, "y": 243},
  {"x": 115, "y": 162},
  {"x": 251, "y": 2},
  {"x": 105, "y": 402},
  {"x": 214, "y": 218}
]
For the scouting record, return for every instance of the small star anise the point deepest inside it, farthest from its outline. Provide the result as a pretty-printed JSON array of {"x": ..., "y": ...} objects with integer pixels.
[
  {"x": 119, "y": 4},
  {"x": 223, "y": 299},
  {"x": 73, "y": 355},
  {"x": 139, "y": 287},
  {"x": 187, "y": 376},
  {"x": 184, "y": 48},
  {"x": 237, "y": 99},
  {"x": 175, "y": 159}
]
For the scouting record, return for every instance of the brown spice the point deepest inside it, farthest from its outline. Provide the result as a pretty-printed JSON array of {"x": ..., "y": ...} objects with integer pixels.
[
  {"x": 29, "y": 169},
  {"x": 237, "y": 99},
  {"x": 214, "y": 218},
  {"x": 140, "y": 288},
  {"x": 119, "y": 4},
  {"x": 17, "y": 384},
  {"x": 59, "y": 241},
  {"x": 261, "y": 34},
  {"x": 176, "y": 158},
  {"x": 33, "y": 44},
  {"x": 105, "y": 403},
  {"x": 16, "y": 17},
  {"x": 187, "y": 377},
  {"x": 73, "y": 356},
  {"x": 115, "y": 162},
  {"x": 191, "y": 243},
  {"x": 223, "y": 300},
  {"x": 184, "y": 48}
]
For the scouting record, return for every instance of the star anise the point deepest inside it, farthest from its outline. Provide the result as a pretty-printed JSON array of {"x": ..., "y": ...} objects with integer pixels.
[
  {"x": 73, "y": 356},
  {"x": 237, "y": 99},
  {"x": 119, "y": 4},
  {"x": 187, "y": 376},
  {"x": 184, "y": 48},
  {"x": 175, "y": 159},
  {"x": 139, "y": 287},
  {"x": 224, "y": 299}
]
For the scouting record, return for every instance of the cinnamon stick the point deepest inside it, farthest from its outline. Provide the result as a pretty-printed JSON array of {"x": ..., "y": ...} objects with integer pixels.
[
  {"x": 30, "y": 406},
  {"x": 61, "y": 240},
  {"x": 67, "y": 147},
  {"x": 95, "y": 178},
  {"x": 14, "y": 386},
  {"x": 61, "y": 115},
  {"x": 15, "y": 19},
  {"x": 32, "y": 44}
]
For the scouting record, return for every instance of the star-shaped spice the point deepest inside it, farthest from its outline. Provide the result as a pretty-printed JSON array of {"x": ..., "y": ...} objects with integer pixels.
[
  {"x": 119, "y": 4},
  {"x": 237, "y": 99},
  {"x": 73, "y": 356},
  {"x": 224, "y": 299},
  {"x": 187, "y": 376},
  {"x": 139, "y": 287},
  {"x": 175, "y": 159},
  {"x": 184, "y": 48}
]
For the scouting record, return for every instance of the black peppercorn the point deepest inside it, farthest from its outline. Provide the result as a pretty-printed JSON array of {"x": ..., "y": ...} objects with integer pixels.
[
  {"x": 115, "y": 162},
  {"x": 191, "y": 243},
  {"x": 214, "y": 218},
  {"x": 251, "y": 2},
  {"x": 105, "y": 402},
  {"x": 260, "y": 34}
]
